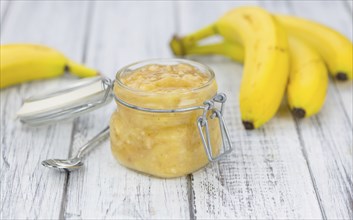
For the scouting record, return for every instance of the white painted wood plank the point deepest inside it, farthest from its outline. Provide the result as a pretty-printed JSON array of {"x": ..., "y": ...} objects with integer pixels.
[
  {"x": 266, "y": 176},
  {"x": 328, "y": 136},
  {"x": 28, "y": 190},
  {"x": 122, "y": 33}
]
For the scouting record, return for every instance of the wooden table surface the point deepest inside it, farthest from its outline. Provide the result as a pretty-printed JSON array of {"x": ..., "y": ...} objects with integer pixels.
[{"x": 289, "y": 169}]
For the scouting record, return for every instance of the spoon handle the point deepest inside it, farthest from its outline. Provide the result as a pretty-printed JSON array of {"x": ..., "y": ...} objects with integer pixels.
[{"x": 93, "y": 143}]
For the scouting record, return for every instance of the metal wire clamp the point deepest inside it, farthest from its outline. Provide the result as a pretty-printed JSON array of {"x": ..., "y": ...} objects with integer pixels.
[{"x": 202, "y": 122}]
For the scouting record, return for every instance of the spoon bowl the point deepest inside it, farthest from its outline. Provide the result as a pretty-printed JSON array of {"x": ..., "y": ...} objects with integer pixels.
[
  {"x": 75, "y": 162},
  {"x": 62, "y": 165}
]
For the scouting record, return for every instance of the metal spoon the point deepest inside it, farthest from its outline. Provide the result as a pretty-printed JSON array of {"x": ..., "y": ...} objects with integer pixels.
[{"x": 75, "y": 162}]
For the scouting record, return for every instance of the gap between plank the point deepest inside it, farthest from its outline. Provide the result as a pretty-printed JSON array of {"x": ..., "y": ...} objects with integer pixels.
[
  {"x": 345, "y": 171},
  {"x": 4, "y": 15},
  {"x": 66, "y": 183},
  {"x": 345, "y": 113},
  {"x": 176, "y": 17},
  {"x": 64, "y": 196},
  {"x": 348, "y": 7},
  {"x": 88, "y": 26},
  {"x": 305, "y": 154},
  {"x": 86, "y": 39},
  {"x": 191, "y": 196}
]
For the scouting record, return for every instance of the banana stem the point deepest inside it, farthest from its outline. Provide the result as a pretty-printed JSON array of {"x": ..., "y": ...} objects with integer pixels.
[
  {"x": 188, "y": 45},
  {"x": 193, "y": 38},
  {"x": 179, "y": 44},
  {"x": 231, "y": 50}
]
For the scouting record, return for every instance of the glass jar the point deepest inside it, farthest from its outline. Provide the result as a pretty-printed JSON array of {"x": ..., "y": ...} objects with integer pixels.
[{"x": 168, "y": 128}]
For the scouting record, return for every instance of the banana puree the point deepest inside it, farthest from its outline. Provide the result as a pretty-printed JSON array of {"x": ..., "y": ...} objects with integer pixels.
[{"x": 162, "y": 144}]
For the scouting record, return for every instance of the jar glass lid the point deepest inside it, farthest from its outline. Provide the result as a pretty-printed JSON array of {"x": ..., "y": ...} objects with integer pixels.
[{"x": 65, "y": 103}]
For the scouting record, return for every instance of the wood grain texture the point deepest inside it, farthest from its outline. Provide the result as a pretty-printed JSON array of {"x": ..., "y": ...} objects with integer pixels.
[
  {"x": 27, "y": 189},
  {"x": 266, "y": 176},
  {"x": 122, "y": 33}
]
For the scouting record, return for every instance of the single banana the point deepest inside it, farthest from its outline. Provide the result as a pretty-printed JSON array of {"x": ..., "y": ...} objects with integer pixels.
[
  {"x": 308, "y": 75},
  {"x": 26, "y": 62},
  {"x": 266, "y": 59},
  {"x": 308, "y": 79},
  {"x": 336, "y": 49}
]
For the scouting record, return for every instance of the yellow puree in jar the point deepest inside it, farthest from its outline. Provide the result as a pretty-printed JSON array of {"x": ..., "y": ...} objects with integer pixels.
[{"x": 162, "y": 144}]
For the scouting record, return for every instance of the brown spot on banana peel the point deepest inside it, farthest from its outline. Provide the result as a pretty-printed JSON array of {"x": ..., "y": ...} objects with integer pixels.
[
  {"x": 258, "y": 65},
  {"x": 281, "y": 49},
  {"x": 248, "y": 125},
  {"x": 341, "y": 76},
  {"x": 66, "y": 68},
  {"x": 298, "y": 112},
  {"x": 248, "y": 18}
]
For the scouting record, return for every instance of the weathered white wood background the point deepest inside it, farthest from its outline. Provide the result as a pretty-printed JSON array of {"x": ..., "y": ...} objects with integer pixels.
[{"x": 289, "y": 169}]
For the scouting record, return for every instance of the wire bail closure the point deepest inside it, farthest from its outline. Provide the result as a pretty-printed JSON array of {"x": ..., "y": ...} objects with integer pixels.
[{"x": 202, "y": 122}]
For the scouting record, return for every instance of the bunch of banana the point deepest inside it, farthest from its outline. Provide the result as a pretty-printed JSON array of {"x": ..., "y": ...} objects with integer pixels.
[
  {"x": 308, "y": 52},
  {"x": 26, "y": 62}
]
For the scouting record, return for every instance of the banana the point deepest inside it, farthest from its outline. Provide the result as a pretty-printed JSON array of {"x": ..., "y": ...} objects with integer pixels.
[
  {"x": 26, "y": 62},
  {"x": 336, "y": 49},
  {"x": 308, "y": 79},
  {"x": 266, "y": 59},
  {"x": 308, "y": 75}
]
